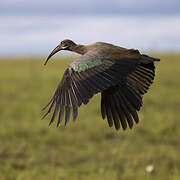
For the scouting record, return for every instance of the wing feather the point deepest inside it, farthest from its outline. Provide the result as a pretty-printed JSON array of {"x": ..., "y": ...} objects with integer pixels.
[
  {"x": 125, "y": 110},
  {"x": 61, "y": 111},
  {"x": 103, "y": 107},
  {"x": 120, "y": 113},
  {"x": 108, "y": 112},
  {"x": 114, "y": 114}
]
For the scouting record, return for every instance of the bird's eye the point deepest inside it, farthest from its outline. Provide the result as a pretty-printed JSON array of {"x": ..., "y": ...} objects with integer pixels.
[{"x": 63, "y": 44}]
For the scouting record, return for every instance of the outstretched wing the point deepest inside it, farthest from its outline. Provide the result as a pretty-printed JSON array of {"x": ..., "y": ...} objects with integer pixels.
[
  {"x": 120, "y": 103},
  {"x": 89, "y": 74}
]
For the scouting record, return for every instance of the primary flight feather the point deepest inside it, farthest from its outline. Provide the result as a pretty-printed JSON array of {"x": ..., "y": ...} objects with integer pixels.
[{"x": 121, "y": 75}]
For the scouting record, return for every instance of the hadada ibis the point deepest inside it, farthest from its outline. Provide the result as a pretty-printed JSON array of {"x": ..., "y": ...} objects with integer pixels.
[{"x": 121, "y": 75}]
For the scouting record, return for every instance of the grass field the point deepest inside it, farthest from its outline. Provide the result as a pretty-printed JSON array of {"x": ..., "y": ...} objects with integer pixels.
[{"x": 87, "y": 149}]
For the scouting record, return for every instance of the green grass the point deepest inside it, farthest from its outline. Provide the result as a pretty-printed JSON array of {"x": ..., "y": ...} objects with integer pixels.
[{"x": 87, "y": 149}]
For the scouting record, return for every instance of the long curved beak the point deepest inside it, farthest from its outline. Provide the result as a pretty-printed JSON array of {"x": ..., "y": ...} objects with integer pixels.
[{"x": 57, "y": 49}]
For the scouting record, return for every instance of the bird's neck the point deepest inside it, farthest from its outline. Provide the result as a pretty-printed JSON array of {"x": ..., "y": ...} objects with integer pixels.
[{"x": 80, "y": 49}]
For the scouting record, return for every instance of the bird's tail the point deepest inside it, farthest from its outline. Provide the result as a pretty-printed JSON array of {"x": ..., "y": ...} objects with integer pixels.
[{"x": 147, "y": 59}]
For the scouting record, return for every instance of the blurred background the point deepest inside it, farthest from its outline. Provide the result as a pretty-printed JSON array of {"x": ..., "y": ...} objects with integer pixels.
[
  {"x": 87, "y": 149},
  {"x": 34, "y": 27}
]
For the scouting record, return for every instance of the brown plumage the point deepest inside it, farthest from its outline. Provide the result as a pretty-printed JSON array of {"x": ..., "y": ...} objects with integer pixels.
[{"x": 121, "y": 75}]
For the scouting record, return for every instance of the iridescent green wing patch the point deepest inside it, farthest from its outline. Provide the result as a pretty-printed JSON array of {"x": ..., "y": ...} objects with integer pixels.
[{"x": 80, "y": 66}]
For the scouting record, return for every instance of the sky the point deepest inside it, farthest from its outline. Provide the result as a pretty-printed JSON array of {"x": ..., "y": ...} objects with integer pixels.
[
  {"x": 36, "y": 27},
  {"x": 90, "y": 7}
]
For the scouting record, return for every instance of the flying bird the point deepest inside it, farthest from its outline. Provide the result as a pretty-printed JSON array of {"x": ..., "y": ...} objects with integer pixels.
[{"x": 121, "y": 75}]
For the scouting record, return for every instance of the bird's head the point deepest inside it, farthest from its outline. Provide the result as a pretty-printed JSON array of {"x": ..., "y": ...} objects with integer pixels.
[{"x": 64, "y": 45}]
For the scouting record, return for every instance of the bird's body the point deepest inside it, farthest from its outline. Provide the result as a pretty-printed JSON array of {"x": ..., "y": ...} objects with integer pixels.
[{"x": 121, "y": 75}]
